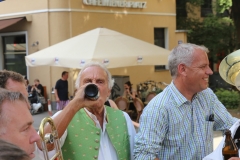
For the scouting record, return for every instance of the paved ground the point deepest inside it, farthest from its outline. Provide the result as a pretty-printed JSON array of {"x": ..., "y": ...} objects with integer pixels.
[{"x": 38, "y": 118}]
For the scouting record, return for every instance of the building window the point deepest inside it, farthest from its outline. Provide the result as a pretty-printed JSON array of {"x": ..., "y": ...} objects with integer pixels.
[
  {"x": 159, "y": 40},
  {"x": 14, "y": 52},
  {"x": 181, "y": 8},
  {"x": 206, "y": 8}
]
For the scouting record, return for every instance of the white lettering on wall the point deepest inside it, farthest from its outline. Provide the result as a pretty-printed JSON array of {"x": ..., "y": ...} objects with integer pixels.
[{"x": 116, "y": 3}]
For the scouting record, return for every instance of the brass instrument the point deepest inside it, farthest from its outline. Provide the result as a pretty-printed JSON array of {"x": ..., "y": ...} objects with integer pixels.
[
  {"x": 50, "y": 138},
  {"x": 229, "y": 69}
]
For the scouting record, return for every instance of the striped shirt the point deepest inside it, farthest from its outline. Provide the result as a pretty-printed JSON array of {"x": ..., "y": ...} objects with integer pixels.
[{"x": 171, "y": 127}]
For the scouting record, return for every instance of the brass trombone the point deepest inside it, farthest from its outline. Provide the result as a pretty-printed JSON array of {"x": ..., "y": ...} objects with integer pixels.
[{"x": 50, "y": 138}]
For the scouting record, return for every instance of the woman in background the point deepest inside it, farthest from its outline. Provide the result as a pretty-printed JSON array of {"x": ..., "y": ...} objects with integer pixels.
[
  {"x": 28, "y": 87},
  {"x": 130, "y": 94}
]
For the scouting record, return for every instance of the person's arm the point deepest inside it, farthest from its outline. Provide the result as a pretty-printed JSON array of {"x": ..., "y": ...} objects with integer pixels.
[
  {"x": 40, "y": 89},
  {"x": 124, "y": 94},
  {"x": 63, "y": 119},
  {"x": 133, "y": 95},
  {"x": 51, "y": 149},
  {"x": 112, "y": 104},
  {"x": 56, "y": 95},
  {"x": 56, "y": 91},
  {"x": 136, "y": 125},
  {"x": 223, "y": 119}
]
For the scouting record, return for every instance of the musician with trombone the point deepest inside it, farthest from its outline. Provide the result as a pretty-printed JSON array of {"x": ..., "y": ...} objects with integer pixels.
[{"x": 94, "y": 130}]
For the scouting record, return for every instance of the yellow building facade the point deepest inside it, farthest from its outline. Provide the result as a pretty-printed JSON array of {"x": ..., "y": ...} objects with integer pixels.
[{"x": 42, "y": 23}]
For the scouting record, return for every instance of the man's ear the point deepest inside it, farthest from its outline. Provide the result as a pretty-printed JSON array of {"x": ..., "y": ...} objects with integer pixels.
[
  {"x": 182, "y": 69},
  {"x": 109, "y": 92}
]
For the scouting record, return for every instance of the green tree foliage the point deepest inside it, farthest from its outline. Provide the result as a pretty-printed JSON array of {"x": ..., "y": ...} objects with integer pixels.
[
  {"x": 230, "y": 99},
  {"x": 223, "y": 5},
  {"x": 232, "y": 7},
  {"x": 216, "y": 32},
  {"x": 218, "y": 35}
]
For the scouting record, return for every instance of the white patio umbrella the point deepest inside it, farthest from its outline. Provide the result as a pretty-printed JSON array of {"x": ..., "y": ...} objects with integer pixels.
[{"x": 112, "y": 48}]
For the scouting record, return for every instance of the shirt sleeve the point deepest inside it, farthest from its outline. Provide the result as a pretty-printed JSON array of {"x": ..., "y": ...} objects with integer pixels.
[
  {"x": 223, "y": 119},
  {"x": 57, "y": 85},
  {"x": 131, "y": 133},
  {"x": 152, "y": 130}
]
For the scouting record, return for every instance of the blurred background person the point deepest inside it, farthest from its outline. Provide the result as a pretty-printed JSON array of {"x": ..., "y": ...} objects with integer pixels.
[
  {"x": 130, "y": 94},
  {"x": 61, "y": 91},
  {"x": 13, "y": 81},
  {"x": 28, "y": 86},
  {"x": 9, "y": 151},
  {"x": 37, "y": 87}
]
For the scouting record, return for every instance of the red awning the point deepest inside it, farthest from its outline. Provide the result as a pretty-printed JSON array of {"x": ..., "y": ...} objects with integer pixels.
[{"x": 8, "y": 22}]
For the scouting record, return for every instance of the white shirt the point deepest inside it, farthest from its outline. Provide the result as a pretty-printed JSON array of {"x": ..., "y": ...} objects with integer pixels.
[
  {"x": 106, "y": 150},
  {"x": 217, "y": 153}
]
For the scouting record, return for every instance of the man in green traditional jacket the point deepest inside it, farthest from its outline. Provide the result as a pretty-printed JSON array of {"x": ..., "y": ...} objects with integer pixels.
[{"x": 95, "y": 131}]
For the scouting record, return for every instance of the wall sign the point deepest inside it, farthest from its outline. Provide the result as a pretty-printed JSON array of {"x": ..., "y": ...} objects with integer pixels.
[{"x": 116, "y": 3}]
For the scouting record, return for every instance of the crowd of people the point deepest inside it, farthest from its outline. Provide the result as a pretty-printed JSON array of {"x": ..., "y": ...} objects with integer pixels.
[{"x": 177, "y": 123}]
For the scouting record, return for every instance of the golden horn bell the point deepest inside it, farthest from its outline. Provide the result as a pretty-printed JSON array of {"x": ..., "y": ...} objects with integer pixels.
[
  {"x": 230, "y": 67},
  {"x": 50, "y": 138}
]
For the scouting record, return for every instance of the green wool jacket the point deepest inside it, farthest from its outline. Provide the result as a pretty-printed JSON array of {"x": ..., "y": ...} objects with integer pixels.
[{"x": 83, "y": 139}]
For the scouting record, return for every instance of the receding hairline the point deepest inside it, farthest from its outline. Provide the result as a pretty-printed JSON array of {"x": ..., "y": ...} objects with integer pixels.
[{"x": 10, "y": 96}]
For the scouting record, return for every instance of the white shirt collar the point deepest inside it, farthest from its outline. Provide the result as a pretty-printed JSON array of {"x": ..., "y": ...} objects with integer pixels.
[{"x": 94, "y": 118}]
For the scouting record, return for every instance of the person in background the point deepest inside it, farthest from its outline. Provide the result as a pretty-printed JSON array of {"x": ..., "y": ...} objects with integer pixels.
[
  {"x": 13, "y": 81},
  {"x": 9, "y": 151},
  {"x": 19, "y": 129},
  {"x": 178, "y": 123},
  {"x": 61, "y": 91},
  {"x": 128, "y": 92},
  {"x": 103, "y": 133},
  {"x": 37, "y": 87},
  {"x": 28, "y": 87}
]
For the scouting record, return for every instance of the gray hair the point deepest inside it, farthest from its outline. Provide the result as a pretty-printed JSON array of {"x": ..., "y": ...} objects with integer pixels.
[
  {"x": 10, "y": 151},
  {"x": 5, "y": 75},
  {"x": 6, "y": 95},
  {"x": 93, "y": 63},
  {"x": 182, "y": 54}
]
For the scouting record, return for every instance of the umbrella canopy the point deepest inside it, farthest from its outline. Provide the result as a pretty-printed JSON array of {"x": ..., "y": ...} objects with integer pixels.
[{"x": 112, "y": 48}]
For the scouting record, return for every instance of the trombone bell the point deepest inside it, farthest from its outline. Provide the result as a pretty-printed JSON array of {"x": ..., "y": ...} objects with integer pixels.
[
  {"x": 50, "y": 138},
  {"x": 229, "y": 69}
]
